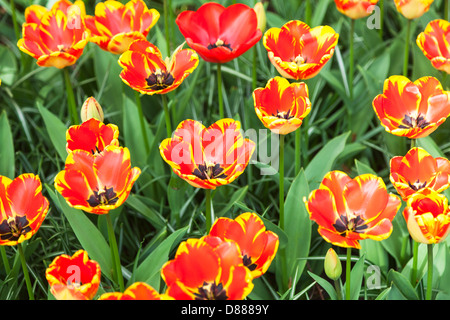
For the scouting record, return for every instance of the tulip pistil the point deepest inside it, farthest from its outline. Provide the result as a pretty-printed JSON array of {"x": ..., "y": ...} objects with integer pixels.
[
  {"x": 13, "y": 228},
  {"x": 283, "y": 115},
  {"x": 247, "y": 261},
  {"x": 417, "y": 185},
  {"x": 160, "y": 80},
  {"x": 211, "y": 291},
  {"x": 414, "y": 122},
  {"x": 350, "y": 224},
  {"x": 209, "y": 171},
  {"x": 219, "y": 43},
  {"x": 103, "y": 197}
]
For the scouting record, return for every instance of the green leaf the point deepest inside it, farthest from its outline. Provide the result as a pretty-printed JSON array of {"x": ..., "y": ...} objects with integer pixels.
[
  {"x": 297, "y": 226},
  {"x": 149, "y": 270},
  {"x": 403, "y": 285},
  {"x": 325, "y": 285},
  {"x": 356, "y": 276},
  {"x": 7, "y": 166},
  {"x": 90, "y": 238},
  {"x": 322, "y": 163},
  {"x": 56, "y": 130}
]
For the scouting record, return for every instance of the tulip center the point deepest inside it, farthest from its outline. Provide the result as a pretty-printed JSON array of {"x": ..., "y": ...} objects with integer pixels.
[
  {"x": 283, "y": 114},
  {"x": 160, "y": 80},
  {"x": 211, "y": 291},
  {"x": 349, "y": 223},
  {"x": 13, "y": 227},
  {"x": 247, "y": 261},
  {"x": 299, "y": 60},
  {"x": 410, "y": 121},
  {"x": 219, "y": 43},
  {"x": 61, "y": 48},
  {"x": 417, "y": 185},
  {"x": 209, "y": 171},
  {"x": 103, "y": 197}
]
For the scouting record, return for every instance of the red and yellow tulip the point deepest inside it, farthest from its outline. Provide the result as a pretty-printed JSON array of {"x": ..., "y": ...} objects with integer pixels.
[
  {"x": 115, "y": 25},
  {"x": 207, "y": 157},
  {"x": 427, "y": 216},
  {"x": 258, "y": 247},
  {"x": 136, "y": 291},
  {"x": 282, "y": 106},
  {"x": 73, "y": 277},
  {"x": 207, "y": 269},
  {"x": 220, "y": 34},
  {"x": 23, "y": 208},
  {"x": 348, "y": 210},
  {"x": 412, "y": 109},
  {"x": 92, "y": 136},
  {"x": 145, "y": 71},
  {"x": 412, "y": 9},
  {"x": 355, "y": 9},
  {"x": 435, "y": 44},
  {"x": 55, "y": 37},
  {"x": 97, "y": 183},
  {"x": 298, "y": 51},
  {"x": 418, "y": 170}
]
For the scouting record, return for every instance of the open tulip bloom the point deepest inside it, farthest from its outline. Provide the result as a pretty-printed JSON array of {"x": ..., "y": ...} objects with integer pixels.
[
  {"x": 348, "y": 210},
  {"x": 23, "y": 208},
  {"x": 298, "y": 51},
  {"x": 427, "y": 216},
  {"x": 418, "y": 170},
  {"x": 92, "y": 136},
  {"x": 412, "y": 109},
  {"x": 145, "y": 70},
  {"x": 258, "y": 246},
  {"x": 435, "y": 44},
  {"x": 355, "y": 9},
  {"x": 207, "y": 157},
  {"x": 220, "y": 34},
  {"x": 412, "y": 9},
  {"x": 136, "y": 291},
  {"x": 97, "y": 183},
  {"x": 282, "y": 106},
  {"x": 55, "y": 37},
  {"x": 115, "y": 25},
  {"x": 207, "y": 269}
]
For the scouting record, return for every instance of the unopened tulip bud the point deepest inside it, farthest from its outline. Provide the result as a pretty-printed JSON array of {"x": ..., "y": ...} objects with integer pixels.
[
  {"x": 260, "y": 15},
  {"x": 91, "y": 109},
  {"x": 333, "y": 267}
]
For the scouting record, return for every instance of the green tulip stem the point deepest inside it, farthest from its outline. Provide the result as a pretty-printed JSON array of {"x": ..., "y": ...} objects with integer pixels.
[
  {"x": 115, "y": 253},
  {"x": 407, "y": 40},
  {"x": 208, "y": 209},
  {"x": 142, "y": 121},
  {"x": 25, "y": 272},
  {"x": 219, "y": 90},
  {"x": 167, "y": 115},
  {"x": 430, "y": 272},
  {"x": 71, "y": 98},
  {"x": 281, "y": 183},
  {"x": 348, "y": 273}
]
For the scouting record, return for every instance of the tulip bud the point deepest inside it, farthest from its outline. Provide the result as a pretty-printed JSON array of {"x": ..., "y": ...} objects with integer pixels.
[
  {"x": 260, "y": 15},
  {"x": 333, "y": 267},
  {"x": 91, "y": 109}
]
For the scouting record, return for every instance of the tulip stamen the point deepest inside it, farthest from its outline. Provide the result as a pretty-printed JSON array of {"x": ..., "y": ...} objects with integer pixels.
[
  {"x": 12, "y": 228},
  {"x": 103, "y": 197},
  {"x": 160, "y": 80},
  {"x": 299, "y": 60},
  {"x": 351, "y": 223},
  {"x": 211, "y": 291},
  {"x": 209, "y": 171},
  {"x": 247, "y": 261},
  {"x": 414, "y": 122},
  {"x": 283, "y": 114},
  {"x": 219, "y": 43},
  {"x": 417, "y": 185}
]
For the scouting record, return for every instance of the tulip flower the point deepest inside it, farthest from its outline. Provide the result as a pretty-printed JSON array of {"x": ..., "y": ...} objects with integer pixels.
[
  {"x": 298, "y": 51},
  {"x": 207, "y": 269},
  {"x": 136, "y": 291},
  {"x": 73, "y": 277},
  {"x": 220, "y": 34},
  {"x": 145, "y": 71},
  {"x": 355, "y": 9},
  {"x": 412, "y": 9},
  {"x": 207, "y": 157},
  {"x": 55, "y": 37},
  {"x": 348, "y": 210},
  {"x": 434, "y": 43},
  {"x": 92, "y": 136},
  {"x": 91, "y": 109},
  {"x": 97, "y": 183},
  {"x": 282, "y": 106},
  {"x": 23, "y": 208},
  {"x": 418, "y": 170},
  {"x": 332, "y": 265},
  {"x": 258, "y": 246},
  {"x": 115, "y": 25},
  {"x": 412, "y": 109}
]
